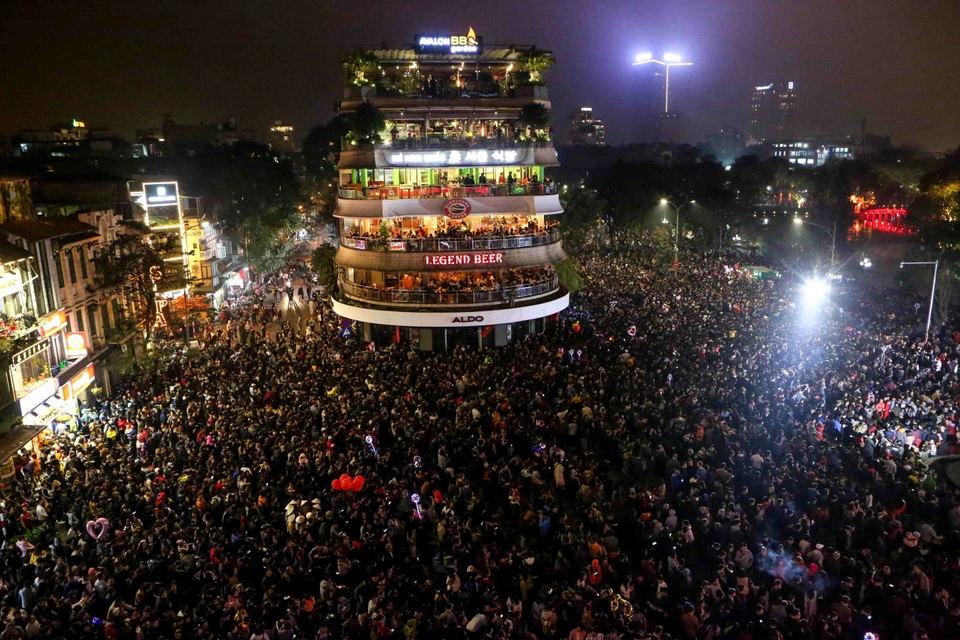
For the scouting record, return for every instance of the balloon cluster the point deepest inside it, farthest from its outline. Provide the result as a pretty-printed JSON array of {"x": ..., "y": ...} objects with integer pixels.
[{"x": 346, "y": 483}]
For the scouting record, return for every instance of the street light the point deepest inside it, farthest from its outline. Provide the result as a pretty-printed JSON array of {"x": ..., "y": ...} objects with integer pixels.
[
  {"x": 676, "y": 238},
  {"x": 933, "y": 291},
  {"x": 669, "y": 60},
  {"x": 832, "y": 234}
]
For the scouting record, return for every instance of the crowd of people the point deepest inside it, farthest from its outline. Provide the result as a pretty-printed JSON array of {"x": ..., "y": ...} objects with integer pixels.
[{"x": 682, "y": 454}]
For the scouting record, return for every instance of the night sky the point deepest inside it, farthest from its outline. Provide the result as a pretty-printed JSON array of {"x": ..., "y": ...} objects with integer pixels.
[{"x": 124, "y": 64}]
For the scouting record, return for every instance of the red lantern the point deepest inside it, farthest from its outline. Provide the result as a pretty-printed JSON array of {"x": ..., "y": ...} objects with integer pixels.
[
  {"x": 358, "y": 482},
  {"x": 336, "y": 484}
]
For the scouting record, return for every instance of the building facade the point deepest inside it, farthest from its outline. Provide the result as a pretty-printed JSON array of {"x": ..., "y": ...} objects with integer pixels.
[
  {"x": 586, "y": 129},
  {"x": 282, "y": 137},
  {"x": 446, "y": 225},
  {"x": 813, "y": 152},
  {"x": 773, "y": 113}
]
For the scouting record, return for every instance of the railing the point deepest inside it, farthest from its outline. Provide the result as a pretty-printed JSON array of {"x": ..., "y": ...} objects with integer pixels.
[
  {"x": 400, "y": 192},
  {"x": 452, "y": 244},
  {"x": 412, "y": 296},
  {"x": 458, "y": 142}
]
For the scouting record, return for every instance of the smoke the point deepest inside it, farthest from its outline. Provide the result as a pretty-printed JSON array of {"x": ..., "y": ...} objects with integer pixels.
[{"x": 785, "y": 566}]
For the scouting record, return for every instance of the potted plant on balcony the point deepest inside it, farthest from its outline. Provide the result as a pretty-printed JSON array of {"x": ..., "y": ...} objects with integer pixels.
[
  {"x": 535, "y": 118},
  {"x": 533, "y": 63},
  {"x": 359, "y": 65},
  {"x": 365, "y": 124}
]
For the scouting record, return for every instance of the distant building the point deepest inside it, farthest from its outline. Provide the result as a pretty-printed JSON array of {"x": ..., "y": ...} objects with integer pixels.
[
  {"x": 773, "y": 113},
  {"x": 586, "y": 129},
  {"x": 176, "y": 137},
  {"x": 282, "y": 138},
  {"x": 67, "y": 139},
  {"x": 815, "y": 152}
]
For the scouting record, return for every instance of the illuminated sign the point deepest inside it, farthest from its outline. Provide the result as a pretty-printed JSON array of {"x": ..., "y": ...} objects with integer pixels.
[
  {"x": 160, "y": 320},
  {"x": 78, "y": 383},
  {"x": 79, "y": 124},
  {"x": 397, "y": 245},
  {"x": 76, "y": 345},
  {"x": 766, "y": 87},
  {"x": 10, "y": 282},
  {"x": 156, "y": 273},
  {"x": 456, "y": 208},
  {"x": 29, "y": 352},
  {"x": 454, "y": 158},
  {"x": 360, "y": 244},
  {"x": 53, "y": 323},
  {"x": 469, "y": 43},
  {"x": 461, "y": 319},
  {"x": 458, "y": 259},
  {"x": 38, "y": 395},
  {"x": 158, "y": 194},
  {"x": 790, "y": 86}
]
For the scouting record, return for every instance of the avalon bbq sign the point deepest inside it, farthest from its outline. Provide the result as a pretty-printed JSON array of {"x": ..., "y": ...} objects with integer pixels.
[{"x": 456, "y": 44}]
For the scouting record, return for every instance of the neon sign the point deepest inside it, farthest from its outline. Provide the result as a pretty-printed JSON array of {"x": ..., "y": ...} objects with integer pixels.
[
  {"x": 459, "y": 259},
  {"x": 469, "y": 43},
  {"x": 453, "y": 158}
]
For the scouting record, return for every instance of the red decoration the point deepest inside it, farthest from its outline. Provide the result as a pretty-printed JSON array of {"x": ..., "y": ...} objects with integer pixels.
[
  {"x": 336, "y": 484},
  {"x": 358, "y": 482},
  {"x": 347, "y": 486},
  {"x": 437, "y": 496}
]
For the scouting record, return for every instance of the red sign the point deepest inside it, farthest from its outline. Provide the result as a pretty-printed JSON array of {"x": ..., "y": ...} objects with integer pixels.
[
  {"x": 78, "y": 383},
  {"x": 76, "y": 345},
  {"x": 456, "y": 208},
  {"x": 52, "y": 323},
  {"x": 397, "y": 245},
  {"x": 457, "y": 259}
]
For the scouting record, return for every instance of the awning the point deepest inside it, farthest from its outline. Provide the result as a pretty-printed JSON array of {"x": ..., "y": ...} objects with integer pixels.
[{"x": 13, "y": 440}]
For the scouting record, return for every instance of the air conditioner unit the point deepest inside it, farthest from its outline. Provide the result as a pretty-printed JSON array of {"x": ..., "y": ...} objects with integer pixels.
[{"x": 123, "y": 348}]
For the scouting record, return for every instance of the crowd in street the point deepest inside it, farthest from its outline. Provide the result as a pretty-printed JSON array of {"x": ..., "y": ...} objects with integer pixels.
[{"x": 683, "y": 454}]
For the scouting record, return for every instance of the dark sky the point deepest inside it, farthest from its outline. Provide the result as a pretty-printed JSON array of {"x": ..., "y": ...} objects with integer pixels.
[{"x": 124, "y": 64}]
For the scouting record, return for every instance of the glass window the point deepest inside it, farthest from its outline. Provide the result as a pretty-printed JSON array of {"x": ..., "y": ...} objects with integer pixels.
[
  {"x": 56, "y": 261},
  {"x": 80, "y": 321},
  {"x": 31, "y": 373},
  {"x": 73, "y": 269},
  {"x": 83, "y": 262},
  {"x": 104, "y": 310},
  {"x": 92, "y": 317}
]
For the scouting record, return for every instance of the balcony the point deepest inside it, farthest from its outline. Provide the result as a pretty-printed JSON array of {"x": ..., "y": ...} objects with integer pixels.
[
  {"x": 438, "y": 152},
  {"x": 407, "y": 192},
  {"x": 420, "y": 298},
  {"x": 489, "y": 243}
]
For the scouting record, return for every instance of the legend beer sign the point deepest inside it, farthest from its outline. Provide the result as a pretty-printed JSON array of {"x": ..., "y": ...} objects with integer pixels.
[
  {"x": 455, "y": 44},
  {"x": 464, "y": 259}
]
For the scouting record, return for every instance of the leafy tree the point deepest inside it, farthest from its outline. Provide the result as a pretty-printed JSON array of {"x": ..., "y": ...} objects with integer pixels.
[
  {"x": 324, "y": 267},
  {"x": 534, "y": 62},
  {"x": 535, "y": 116},
  {"x": 360, "y": 64},
  {"x": 568, "y": 272},
  {"x": 366, "y": 123},
  {"x": 583, "y": 212},
  {"x": 134, "y": 266}
]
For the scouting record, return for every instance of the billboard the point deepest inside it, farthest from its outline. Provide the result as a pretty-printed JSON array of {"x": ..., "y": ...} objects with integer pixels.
[{"x": 162, "y": 203}]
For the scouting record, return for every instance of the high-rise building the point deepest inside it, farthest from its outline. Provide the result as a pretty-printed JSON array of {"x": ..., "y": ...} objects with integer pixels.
[
  {"x": 586, "y": 129},
  {"x": 773, "y": 113},
  {"x": 282, "y": 137},
  {"x": 446, "y": 236}
]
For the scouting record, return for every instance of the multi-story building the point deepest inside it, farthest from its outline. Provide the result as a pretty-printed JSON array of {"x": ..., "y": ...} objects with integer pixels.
[
  {"x": 282, "y": 138},
  {"x": 586, "y": 129},
  {"x": 813, "y": 152},
  {"x": 446, "y": 235},
  {"x": 72, "y": 138},
  {"x": 773, "y": 113}
]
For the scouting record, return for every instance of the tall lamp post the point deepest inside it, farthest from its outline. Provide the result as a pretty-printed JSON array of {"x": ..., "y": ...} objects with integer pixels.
[
  {"x": 833, "y": 239},
  {"x": 676, "y": 238},
  {"x": 933, "y": 291},
  {"x": 669, "y": 60}
]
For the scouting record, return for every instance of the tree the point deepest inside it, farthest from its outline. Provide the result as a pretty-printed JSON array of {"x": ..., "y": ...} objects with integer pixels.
[
  {"x": 323, "y": 265},
  {"x": 583, "y": 212},
  {"x": 568, "y": 273},
  {"x": 366, "y": 123},
  {"x": 359, "y": 65},
  {"x": 535, "y": 116},
  {"x": 534, "y": 62},
  {"x": 134, "y": 266}
]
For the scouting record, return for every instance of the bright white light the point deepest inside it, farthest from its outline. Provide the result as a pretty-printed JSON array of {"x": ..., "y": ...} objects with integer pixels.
[
  {"x": 644, "y": 57},
  {"x": 671, "y": 57},
  {"x": 665, "y": 221},
  {"x": 663, "y": 201},
  {"x": 797, "y": 221},
  {"x": 815, "y": 291}
]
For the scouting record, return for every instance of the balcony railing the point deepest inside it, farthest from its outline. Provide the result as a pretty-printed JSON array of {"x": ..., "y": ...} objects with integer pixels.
[
  {"x": 401, "y": 192},
  {"x": 458, "y": 142},
  {"x": 488, "y": 243},
  {"x": 419, "y": 297}
]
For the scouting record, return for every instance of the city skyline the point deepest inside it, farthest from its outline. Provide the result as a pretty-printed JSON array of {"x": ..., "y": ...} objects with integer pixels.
[{"x": 209, "y": 62}]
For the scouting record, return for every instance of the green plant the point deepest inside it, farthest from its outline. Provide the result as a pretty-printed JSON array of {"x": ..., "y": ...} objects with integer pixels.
[
  {"x": 534, "y": 116},
  {"x": 534, "y": 62},
  {"x": 383, "y": 229},
  {"x": 323, "y": 265},
  {"x": 568, "y": 272},
  {"x": 359, "y": 64},
  {"x": 366, "y": 123}
]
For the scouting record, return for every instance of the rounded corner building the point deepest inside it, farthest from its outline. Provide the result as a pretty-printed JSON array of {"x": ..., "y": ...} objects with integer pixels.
[{"x": 447, "y": 232}]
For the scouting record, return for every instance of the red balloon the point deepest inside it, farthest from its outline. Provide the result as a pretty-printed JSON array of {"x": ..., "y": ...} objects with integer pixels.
[
  {"x": 358, "y": 482},
  {"x": 345, "y": 480},
  {"x": 336, "y": 484},
  {"x": 348, "y": 485},
  {"x": 437, "y": 496}
]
